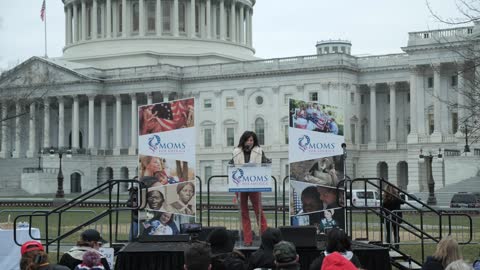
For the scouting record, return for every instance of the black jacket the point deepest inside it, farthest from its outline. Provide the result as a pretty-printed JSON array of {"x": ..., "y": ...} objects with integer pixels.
[
  {"x": 392, "y": 205},
  {"x": 317, "y": 263},
  {"x": 263, "y": 257},
  {"x": 74, "y": 257},
  {"x": 234, "y": 260},
  {"x": 53, "y": 267},
  {"x": 432, "y": 264}
]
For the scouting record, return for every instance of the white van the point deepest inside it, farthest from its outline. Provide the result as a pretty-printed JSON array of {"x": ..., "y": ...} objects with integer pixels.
[
  {"x": 409, "y": 203},
  {"x": 358, "y": 198}
]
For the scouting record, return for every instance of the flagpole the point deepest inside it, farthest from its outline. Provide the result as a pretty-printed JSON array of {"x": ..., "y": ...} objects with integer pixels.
[{"x": 45, "y": 16}]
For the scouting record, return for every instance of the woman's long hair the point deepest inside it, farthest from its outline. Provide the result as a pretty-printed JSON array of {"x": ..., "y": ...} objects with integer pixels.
[
  {"x": 337, "y": 240},
  {"x": 447, "y": 251},
  {"x": 33, "y": 260},
  {"x": 390, "y": 193},
  {"x": 247, "y": 134}
]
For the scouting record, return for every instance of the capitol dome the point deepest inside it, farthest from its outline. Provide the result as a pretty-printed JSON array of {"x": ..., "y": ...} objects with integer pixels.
[{"x": 117, "y": 33}]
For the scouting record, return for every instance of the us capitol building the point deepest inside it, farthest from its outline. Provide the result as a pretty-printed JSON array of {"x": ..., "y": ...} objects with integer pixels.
[{"x": 120, "y": 54}]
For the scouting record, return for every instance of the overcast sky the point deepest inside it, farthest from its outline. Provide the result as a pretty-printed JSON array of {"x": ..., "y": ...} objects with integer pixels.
[{"x": 282, "y": 28}]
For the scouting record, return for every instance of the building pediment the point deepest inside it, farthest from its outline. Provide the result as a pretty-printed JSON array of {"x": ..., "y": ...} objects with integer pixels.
[{"x": 37, "y": 72}]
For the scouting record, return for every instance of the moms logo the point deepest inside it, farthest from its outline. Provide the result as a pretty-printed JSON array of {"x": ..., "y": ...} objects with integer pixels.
[
  {"x": 306, "y": 145},
  {"x": 238, "y": 176},
  {"x": 157, "y": 145}
]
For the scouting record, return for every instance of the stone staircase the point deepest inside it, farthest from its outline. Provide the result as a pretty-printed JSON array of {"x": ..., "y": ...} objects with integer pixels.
[
  {"x": 444, "y": 195},
  {"x": 10, "y": 175}
]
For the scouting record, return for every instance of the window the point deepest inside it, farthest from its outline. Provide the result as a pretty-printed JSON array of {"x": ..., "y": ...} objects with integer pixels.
[
  {"x": 431, "y": 123},
  {"x": 151, "y": 6},
  {"x": 286, "y": 97},
  {"x": 181, "y": 17},
  {"x": 166, "y": 7},
  {"x": 352, "y": 98},
  {"x": 208, "y": 137},
  {"x": 343, "y": 49},
  {"x": 430, "y": 82},
  {"x": 285, "y": 133},
  {"x": 207, "y": 103},
  {"x": 230, "y": 136},
  {"x": 388, "y": 132},
  {"x": 327, "y": 50},
  {"x": 313, "y": 96},
  {"x": 259, "y": 100},
  {"x": 388, "y": 98},
  {"x": 230, "y": 102},
  {"x": 208, "y": 173},
  {"x": 335, "y": 49},
  {"x": 352, "y": 133},
  {"x": 260, "y": 130},
  {"x": 135, "y": 20},
  {"x": 362, "y": 99},
  {"x": 363, "y": 134},
  {"x": 454, "y": 122},
  {"x": 408, "y": 97},
  {"x": 454, "y": 80},
  {"x": 408, "y": 128}
]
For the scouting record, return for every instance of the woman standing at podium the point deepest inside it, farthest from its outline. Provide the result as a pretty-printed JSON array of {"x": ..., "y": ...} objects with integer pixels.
[{"x": 249, "y": 151}]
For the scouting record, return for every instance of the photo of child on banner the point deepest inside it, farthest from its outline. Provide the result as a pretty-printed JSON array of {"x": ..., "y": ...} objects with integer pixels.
[
  {"x": 164, "y": 223},
  {"x": 166, "y": 116},
  {"x": 316, "y": 117},
  {"x": 166, "y": 171}
]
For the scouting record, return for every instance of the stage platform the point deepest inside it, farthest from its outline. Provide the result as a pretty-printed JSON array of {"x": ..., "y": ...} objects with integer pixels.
[{"x": 169, "y": 255}]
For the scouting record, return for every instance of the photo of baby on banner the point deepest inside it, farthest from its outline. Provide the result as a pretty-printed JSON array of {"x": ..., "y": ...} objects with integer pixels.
[
  {"x": 326, "y": 171},
  {"x": 165, "y": 171},
  {"x": 164, "y": 223},
  {"x": 316, "y": 117}
]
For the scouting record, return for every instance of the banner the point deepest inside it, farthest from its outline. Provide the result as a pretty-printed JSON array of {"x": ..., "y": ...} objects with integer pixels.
[
  {"x": 166, "y": 146},
  {"x": 316, "y": 165},
  {"x": 250, "y": 178}
]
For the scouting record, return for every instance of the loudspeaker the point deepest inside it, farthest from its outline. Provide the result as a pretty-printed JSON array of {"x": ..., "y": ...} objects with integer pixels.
[
  {"x": 300, "y": 236},
  {"x": 164, "y": 238}
]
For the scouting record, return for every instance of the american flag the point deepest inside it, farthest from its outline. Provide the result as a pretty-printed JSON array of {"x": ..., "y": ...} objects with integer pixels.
[
  {"x": 42, "y": 11},
  {"x": 165, "y": 116}
]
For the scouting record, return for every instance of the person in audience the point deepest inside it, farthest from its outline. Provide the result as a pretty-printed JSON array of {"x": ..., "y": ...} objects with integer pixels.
[
  {"x": 337, "y": 241},
  {"x": 91, "y": 261},
  {"x": 197, "y": 257},
  {"x": 447, "y": 252},
  {"x": 35, "y": 258},
  {"x": 392, "y": 202},
  {"x": 459, "y": 265},
  {"x": 224, "y": 257},
  {"x": 336, "y": 261},
  {"x": 90, "y": 240},
  {"x": 183, "y": 205},
  {"x": 286, "y": 257},
  {"x": 263, "y": 257}
]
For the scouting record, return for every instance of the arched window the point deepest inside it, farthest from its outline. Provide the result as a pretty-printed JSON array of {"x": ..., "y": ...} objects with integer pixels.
[{"x": 260, "y": 130}]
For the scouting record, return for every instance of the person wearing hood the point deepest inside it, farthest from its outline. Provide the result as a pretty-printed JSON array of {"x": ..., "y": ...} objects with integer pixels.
[
  {"x": 223, "y": 255},
  {"x": 263, "y": 257},
  {"x": 337, "y": 241},
  {"x": 336, "y": 261},
  {"x": 90, "y": 240}
]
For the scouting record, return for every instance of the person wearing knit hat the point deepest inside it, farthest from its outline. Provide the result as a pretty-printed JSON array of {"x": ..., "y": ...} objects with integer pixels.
[
  {"x": 186, "y": 192},
  {"x": 34, "y": 257},
  {"x": 286, "y": 257},
  {"x": 337, "y": 261},
  {"x": 91, "y": 261}
]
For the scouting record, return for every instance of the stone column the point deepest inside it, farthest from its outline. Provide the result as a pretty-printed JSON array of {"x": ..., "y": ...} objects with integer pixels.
[
  {"x": 75, "y": 23},
  {"x": 223, "y": 22},
  {"x": 358, "y": 113},
  {"x": 420, "y": 100},
  {"x": 413, "y": 135},
  {"x": 141, "y": 17},
  {"x": 94, "y": 27},
  {"x": 232, "y": 22},
  {"x": 372, "y": 144},
  {"x": 461, "y": 100},
  {"x": 3, "y": 152},
  {"x": 69, "y": 24},
  {"x": 208, "y": 15},
  {"x": 437, "y": 106},
  {"x": 214, "y": 22},
  {"x": 115, "y": 21},
  {"x": 158, "y": 18},
  {"x": 218, "y": 120},
  {"x": 91, "y": 122},
  {"x": 18, "y": 111},
  {"x": 392, "y": 144},
  {"x": 124, "y": 19},
  {"x": 249, "y": 27},
  {"x": 149, "y": 98},
  {"x": 242, "y": 24},
  {"x": 75, "y": 122},
  {"x": 118, "y": 126},
  {"x": 192, "y": 21},
  {"x": 276, "y": 130},
  {"x": 61, "y": 122},
  {"x": 84, "y": 20},
  {"x": 46, "y": 123},
  {"x": 31, "y": 142},
  {"x": 202, "y": 20},
  {"x": 174, "y": 25},
  {"x": 134, "y": 137},
  {"x": 103, "y": 123},
  {"x": 108, "y": 28}
]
